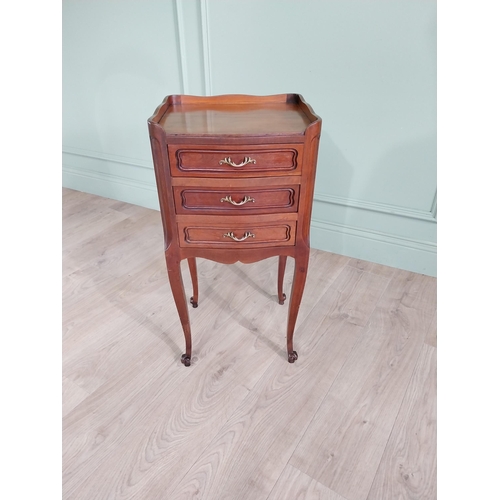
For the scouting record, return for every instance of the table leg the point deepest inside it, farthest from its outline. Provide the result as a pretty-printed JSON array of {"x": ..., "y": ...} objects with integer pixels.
[
  {"x": 281, "y": 275},
  {"x": 299, "y": 281},
  {"x": 177, "y": 286},
  {"x": 194, "y": 280}
]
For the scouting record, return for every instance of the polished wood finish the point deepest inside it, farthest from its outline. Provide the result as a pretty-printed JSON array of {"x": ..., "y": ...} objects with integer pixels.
[
  {"x": 214, "y": 200},
  {"x": 281, "y": 275},
  {"x": 235, "y": 177},
  {"x": 251, "y": 233},
  {"x": 249, "y": 161},
  {"x": 194, "y": 279},
  {"x": 229, "y": 115}
]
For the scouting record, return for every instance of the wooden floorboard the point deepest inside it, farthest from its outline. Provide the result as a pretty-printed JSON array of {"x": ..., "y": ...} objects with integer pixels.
[
  {"x": 72, "y": 395},
  {"x": 259, "y": 438},
  {"x": 344, "y": 444},
  {"x": 371, "y": 267},
  {"x": 408, "y": 467},
  {"x": 353, "y": 418},
  {"x": 295, "y": 485},
  {"x": 431, "y": 337}
]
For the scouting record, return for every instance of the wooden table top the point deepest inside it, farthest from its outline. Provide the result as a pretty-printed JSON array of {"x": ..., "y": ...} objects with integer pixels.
[{"x": 284, "y": 114}]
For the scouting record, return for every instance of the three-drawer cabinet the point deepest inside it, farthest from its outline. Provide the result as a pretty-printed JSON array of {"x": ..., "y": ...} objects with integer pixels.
[{"x": 235, "y": 177}]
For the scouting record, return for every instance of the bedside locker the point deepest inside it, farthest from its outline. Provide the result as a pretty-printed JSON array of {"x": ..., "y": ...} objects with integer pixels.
[{"x": 235, "y": 177}]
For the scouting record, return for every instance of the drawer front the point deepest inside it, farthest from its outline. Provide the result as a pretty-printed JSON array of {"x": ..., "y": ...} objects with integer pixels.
[
  {"x": 237, "y": 235},
  {"x": 244, "y": 161},
  {"x": 193, "y": 200}
]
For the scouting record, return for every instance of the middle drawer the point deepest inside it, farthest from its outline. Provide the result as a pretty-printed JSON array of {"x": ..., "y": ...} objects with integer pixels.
[{"x": 236, "y": 200}]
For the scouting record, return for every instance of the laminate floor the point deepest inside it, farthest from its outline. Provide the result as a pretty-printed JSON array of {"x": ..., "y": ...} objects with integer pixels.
[{"x": 353, "y": 419}]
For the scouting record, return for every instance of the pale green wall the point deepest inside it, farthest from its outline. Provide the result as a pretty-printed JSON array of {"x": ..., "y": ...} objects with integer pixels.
[
  {"x": 367, "y": 67},
  {"x": 119, "y": 60}
]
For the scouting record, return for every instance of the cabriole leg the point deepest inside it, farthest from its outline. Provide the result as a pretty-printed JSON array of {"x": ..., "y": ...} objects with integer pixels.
[
  {"x": 177, "y": 286},
  {"x": 281, "y": 275},
  {"x": 299, "y": 281},
  {"x": 194, "y": 280}
]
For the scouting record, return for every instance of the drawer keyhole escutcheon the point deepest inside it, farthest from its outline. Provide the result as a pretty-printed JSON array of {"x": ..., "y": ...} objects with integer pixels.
[
  {"x": 233, "y": 237},
  {"x": 246, "y": 199},
  {"x": 245, "y": 161}
]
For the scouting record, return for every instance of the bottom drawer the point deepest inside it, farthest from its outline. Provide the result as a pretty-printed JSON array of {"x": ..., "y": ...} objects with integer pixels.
[{"x": 238, "y": 235}]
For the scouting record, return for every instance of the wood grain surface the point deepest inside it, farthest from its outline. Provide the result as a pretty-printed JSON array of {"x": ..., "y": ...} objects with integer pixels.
[
  {"x": 431, "y": 337},
  {"x": 295, "y": 485},
  {"x": 352, "y": 418},
  {"x": 408, "y": 466},
  {"x": 344, "y": 444}
]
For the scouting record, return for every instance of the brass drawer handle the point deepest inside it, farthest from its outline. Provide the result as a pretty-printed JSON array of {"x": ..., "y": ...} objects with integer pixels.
[
  {"x": 233, "y": 237},
  {"x": 246, "y": 199},
  {"x": 245, "y": 161}
]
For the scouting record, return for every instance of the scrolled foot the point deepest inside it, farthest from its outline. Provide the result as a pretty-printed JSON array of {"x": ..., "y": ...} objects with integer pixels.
[
  {"x": 281, "y": 302},
  {"x": 186, "y": 360},
  {"x": 193, "y": 303},
  {"x": 292, "y": 356}
]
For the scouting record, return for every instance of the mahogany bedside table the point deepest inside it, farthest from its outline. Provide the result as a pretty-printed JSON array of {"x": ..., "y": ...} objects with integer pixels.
[{"x": 235, "y": 177}]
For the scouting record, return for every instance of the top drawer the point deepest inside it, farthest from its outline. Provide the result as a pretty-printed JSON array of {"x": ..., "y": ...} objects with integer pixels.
[{"x": 241, "y": 161}]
